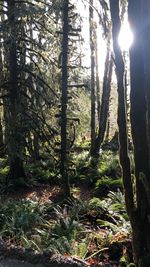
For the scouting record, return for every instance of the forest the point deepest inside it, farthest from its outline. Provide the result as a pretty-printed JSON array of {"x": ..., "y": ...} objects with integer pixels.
[{"x": 75, "y": 132}]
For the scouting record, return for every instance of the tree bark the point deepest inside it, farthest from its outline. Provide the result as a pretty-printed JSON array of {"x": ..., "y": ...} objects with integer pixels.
[
  {"x": 93, "y": 95},
  {"x": 2, "y": 147},
  {"x": 15, "y": 135},
  {"x": 97, "y": 78},
  {"x": 64, "y": 87},
  {"x": 146, "y": 56},
  {"x": 105, "y": 102},
  {"x": 141, "y": 231},
  {"x": 122, "y": 120}
]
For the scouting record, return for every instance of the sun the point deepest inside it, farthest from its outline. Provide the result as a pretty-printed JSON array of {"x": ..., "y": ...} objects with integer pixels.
[{"x": 125, "y": 38}]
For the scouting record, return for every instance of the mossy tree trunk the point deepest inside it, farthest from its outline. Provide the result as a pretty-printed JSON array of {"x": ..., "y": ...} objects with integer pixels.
[
  {"x": 139, "y": 116},
  {"x": 15, "y": 135},
  {"x": 139, "y": 211},
  {"x": 122, "y": 122}
]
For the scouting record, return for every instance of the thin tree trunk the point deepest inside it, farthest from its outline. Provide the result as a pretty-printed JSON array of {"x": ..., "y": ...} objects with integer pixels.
[
  {"x": 2, "y": 147},
  {"x": 105, "y": 102},
  {"x": 93, "y": 96},
  {"x": 35, "y": 147},
  {"x": 5, "y": 100},
  {"x": 97, "y": 78},
  {"x": 108, "y": 128},
  {"x": 2, "y": 150},
  {"x": 64, "y": 87}
]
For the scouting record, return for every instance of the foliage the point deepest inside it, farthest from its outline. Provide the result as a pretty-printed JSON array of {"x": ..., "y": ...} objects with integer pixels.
[
  {"x": 61, "y": 229},
  {"x": 106, "y": 183},
  {"x": 109, "y": 164},
  {"x": 3, "y": 173},
  {"x": 103, "y": 177},
  {"x": 114, "y": 207},
  {"x": 17, "y": 218},
  {"x": 41, "y": 174}
]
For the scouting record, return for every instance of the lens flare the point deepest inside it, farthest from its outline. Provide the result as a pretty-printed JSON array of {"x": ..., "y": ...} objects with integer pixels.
[{"x": 125, "y": 38}]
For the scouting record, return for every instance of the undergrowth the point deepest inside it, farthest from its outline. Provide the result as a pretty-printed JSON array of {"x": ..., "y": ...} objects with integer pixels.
[
  {"x": 103, "y": 177},
  {"x": 68, "y": 229},
  {"x": 83, "y": 228}
]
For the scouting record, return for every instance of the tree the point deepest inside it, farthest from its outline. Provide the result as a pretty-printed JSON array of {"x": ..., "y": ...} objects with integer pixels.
[
  {"x": 104, "y": 101},
  {"x": 92, "y": 84},
  {"x": 64, "y": 88},
  {"x": 122, "y": 122},
  {"x": 67, "y": 121},
  {"x": 138, "y": 211},
  {"x": 27, "y": 91},
  {"x": 98, "y": 138},
  {"x": 15, "y": 135},
  {"x": 139, "y": 116},
  {"x": 97, "y": 76}
]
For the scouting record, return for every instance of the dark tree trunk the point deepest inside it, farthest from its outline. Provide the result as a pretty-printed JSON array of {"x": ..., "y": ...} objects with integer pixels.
[
  {"x": 122, "y": 120},
  {"x": 139, "y": 215},
  {"x": 2, "y": 147},
  {"x": 105, "y": 102},
  {"x": 93, "y": 95},
  {"x": 139, "y": 115},
  {"x": 108, "y": 128},
  {"x": 64, "y": 87},
  {"x": 15, "y": 138},
  {"x": 146, "y": 55}
]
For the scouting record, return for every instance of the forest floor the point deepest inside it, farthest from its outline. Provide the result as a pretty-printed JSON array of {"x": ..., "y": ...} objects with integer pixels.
[
  {"x": 116, "y": 245},
  {"x": 91, "y": 226}
]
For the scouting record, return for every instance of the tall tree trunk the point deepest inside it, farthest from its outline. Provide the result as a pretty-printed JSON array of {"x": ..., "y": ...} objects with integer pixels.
[
  {"x": 2, "y": 147},
  {"x": 93, "y": 95},
  {"x": 15, "y": 138},
  {"x": 2, "y": 150},
  {"x": 4, "y": 63},
  {"x": 146, "y": 55},
  {"x": 105, "y": 102},
  {"x": 138, "y": 215},
  {"x": 64, "y": 87},
  {"x": 122, "y": 120},
  {"x": 141, "y": 229},
  {"x": 34, "y": 141},
  {"x": 97, "y": 78}
]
